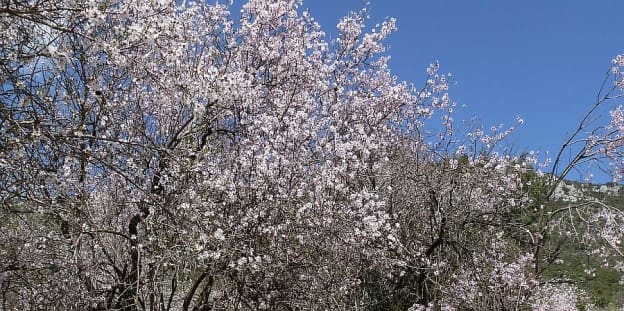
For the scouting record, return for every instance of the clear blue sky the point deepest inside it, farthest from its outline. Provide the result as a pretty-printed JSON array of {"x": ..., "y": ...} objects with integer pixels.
[{"x": 542, "y": 60}]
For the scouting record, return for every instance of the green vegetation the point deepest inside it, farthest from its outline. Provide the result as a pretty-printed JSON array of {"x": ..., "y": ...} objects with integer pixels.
[{"x": 577, "y": 265}]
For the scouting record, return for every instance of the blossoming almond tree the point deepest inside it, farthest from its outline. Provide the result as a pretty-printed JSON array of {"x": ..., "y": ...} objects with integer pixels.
[
  {"x": 168, "y": 156},
  {"x": 168, "y": 160}
]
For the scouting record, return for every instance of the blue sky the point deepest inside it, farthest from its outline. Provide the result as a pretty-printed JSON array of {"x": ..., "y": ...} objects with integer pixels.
[{"x": 542, "y": 60}]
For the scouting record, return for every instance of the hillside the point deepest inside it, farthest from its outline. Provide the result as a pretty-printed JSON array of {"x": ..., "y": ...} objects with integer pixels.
[{"x": 576, "y": 265}]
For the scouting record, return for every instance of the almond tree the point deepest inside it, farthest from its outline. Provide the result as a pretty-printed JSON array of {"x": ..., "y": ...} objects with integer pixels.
[
  {"x": 159, "y": 157},
  {"x": 170, "y": 156}
]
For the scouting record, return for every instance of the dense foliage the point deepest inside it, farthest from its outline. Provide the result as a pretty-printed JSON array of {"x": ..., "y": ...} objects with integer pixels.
[{"x": 164, "y": 155}]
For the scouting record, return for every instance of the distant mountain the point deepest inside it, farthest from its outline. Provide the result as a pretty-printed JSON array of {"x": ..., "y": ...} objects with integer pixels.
[{"x": 572, "y": 191}]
